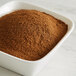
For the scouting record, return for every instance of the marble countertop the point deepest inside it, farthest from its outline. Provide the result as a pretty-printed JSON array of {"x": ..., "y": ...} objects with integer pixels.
[{"x": 63, "y": 63}]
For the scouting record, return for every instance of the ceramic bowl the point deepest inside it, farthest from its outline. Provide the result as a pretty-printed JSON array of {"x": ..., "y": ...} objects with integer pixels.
[{"x": 25, "y": 67}]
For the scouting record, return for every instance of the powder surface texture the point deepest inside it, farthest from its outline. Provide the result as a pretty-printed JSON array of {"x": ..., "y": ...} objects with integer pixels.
[{"x": 30, "y": 34}]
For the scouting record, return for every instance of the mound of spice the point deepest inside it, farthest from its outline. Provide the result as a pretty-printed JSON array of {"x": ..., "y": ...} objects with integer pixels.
[{"x": 30, "y": 34}]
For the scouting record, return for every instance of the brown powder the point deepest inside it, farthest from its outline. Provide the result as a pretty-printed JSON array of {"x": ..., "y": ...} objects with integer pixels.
[{"x": 30, "y": 34}]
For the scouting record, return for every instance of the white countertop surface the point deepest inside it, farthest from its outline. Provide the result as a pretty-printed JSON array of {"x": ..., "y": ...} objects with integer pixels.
[{"x": 63, "y": 63}]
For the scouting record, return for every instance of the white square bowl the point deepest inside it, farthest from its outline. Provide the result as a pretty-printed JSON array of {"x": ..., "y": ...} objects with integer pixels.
[{"x": 25, "y": 67}]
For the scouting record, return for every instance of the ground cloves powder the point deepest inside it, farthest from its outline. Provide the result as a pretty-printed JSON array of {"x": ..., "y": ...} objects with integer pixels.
[{"x": 30, "y": 34}]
